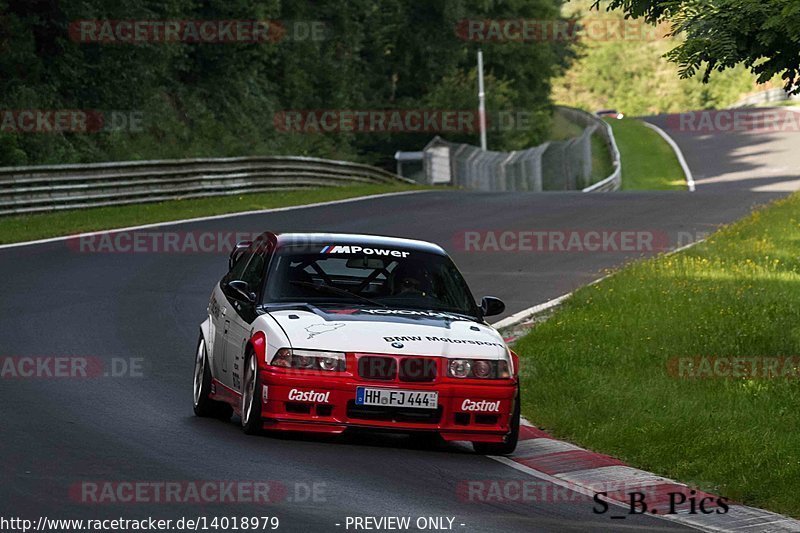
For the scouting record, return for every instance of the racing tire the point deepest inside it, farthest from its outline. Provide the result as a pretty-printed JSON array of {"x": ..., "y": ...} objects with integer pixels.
[
  {"x": 203, "y": 405},
  {"x": 251, "y": 399},
  {"x": 510, "y": 444}
]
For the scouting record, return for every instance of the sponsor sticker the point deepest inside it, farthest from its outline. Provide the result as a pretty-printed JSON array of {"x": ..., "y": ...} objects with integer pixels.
[
  {"x": 309, "y": 396},
  {"x": 413, "y": 312},
  {"x": 333, "y": 249},
  {"x": 480, "y": 406}
]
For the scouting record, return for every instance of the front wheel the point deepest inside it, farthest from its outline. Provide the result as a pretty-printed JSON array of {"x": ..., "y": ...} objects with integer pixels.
[
  {"x": 203, "y": 405},
  {"x": 510, "y": 444},
  {"x": 251, "y": 401}
]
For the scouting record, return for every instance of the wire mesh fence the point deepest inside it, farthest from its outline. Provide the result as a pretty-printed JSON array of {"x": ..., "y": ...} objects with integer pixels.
[{"x": 552, "y": 166}]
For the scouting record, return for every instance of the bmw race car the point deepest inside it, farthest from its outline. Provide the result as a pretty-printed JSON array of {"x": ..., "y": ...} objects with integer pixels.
[{"x": 325, "y": 332}]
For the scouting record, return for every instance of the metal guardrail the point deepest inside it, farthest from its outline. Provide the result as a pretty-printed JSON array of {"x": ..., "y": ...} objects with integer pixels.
[
  {"x": 552, "y": 166},
  {"x": 614, "y": 181},
  {"x": 766, "y": 97},
  {"x": 49, "y": 188}
]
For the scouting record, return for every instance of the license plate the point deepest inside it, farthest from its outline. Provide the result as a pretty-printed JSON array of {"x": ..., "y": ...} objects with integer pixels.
[{"x": 397, "y": 398}]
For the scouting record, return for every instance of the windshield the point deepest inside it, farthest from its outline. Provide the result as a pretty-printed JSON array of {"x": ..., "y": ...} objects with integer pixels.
[{"x": 396, "y": 278}]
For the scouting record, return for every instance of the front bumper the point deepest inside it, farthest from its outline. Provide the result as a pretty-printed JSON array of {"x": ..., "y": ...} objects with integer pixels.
[{"x": 329, "y": 406}]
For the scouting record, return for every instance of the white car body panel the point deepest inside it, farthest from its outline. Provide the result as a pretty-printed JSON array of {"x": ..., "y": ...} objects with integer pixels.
[{"x": 452, "y": 339}]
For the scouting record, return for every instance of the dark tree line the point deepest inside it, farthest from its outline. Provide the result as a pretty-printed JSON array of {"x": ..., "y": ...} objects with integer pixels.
[{"x": 220, "y": 99}]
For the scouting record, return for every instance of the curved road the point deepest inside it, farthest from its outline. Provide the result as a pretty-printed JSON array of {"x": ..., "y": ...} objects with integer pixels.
[{"x": 59, "y": 301}]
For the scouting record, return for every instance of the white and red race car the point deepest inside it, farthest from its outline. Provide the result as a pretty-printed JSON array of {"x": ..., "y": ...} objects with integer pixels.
[{"x": 324, "y": 332}]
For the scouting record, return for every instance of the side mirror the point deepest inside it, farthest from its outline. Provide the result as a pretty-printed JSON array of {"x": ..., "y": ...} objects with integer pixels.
[
  {"x": 491, "y": 306},
  {"x": 240, "y": 291},
  {"x": 236, "y": 253}
]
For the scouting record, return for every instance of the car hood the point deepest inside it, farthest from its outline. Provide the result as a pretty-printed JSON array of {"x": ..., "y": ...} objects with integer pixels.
[{"x": 390, "y": 331}]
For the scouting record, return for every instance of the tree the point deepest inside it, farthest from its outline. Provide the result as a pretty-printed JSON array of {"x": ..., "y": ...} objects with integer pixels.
[
  {"x": 202, "y": 99},
  {"x": 763, "y": 35}
]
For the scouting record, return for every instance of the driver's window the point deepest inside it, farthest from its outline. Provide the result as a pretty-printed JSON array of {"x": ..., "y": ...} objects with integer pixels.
[
  {"x": 239, "y": 267},
  {"x": 253, "y": 271}
]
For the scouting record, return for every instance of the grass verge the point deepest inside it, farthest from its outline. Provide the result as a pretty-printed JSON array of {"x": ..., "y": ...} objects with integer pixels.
[
  {"x": 43, "y": 225},
  {"x": 648, "y": 162},
  {"x": 602, "y": 167},
  {"x": 597, "y": 372}
]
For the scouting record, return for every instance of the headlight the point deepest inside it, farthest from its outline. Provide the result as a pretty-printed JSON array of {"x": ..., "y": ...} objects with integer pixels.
[
  {"x": 459, "y": 368},
  {"x": 310, "y": 360},
  {"x": 478, "y": 369},
  {"x": 482, "y": 369},
  {"x": 330, "y": 363}
]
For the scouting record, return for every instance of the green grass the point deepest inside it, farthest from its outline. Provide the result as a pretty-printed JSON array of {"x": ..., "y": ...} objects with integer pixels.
[
  {"x": 648, "y": 162},
  {"x": 601, "y": 159},
  {"x": 562, "y": 129},
  {"x": 597, "y": 372},
  {"x": 39, "y": 226}
]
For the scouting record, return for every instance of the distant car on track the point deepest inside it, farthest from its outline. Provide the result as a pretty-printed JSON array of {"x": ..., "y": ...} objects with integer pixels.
[
  {"x": 325, "y": 332},
  {"x": 609, "y": 113}
]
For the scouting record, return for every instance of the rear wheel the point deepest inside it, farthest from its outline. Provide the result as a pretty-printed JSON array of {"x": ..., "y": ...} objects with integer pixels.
[
  {"x": 203, "y": 404},
  {"x": 510, "y": 444},
  {"x": 251, "y": 402}
]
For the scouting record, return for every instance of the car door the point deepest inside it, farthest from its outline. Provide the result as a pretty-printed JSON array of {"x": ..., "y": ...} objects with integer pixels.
[
  {"x": 242, "y": 315},
  {"x": 222, "y": 354}
]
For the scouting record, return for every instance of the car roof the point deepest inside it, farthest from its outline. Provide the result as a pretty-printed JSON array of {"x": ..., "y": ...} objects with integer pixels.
[{"x": 352, "y": 239}]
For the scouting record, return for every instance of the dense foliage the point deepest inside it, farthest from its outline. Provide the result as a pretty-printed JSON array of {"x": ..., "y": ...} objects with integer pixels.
[
  {"x": 762, "y": 35},
  {"x": 630, "y": 73},
  {"x": 200, "y": 99}
]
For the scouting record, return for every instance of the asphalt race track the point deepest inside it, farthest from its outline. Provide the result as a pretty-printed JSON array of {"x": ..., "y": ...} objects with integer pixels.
[{"x": 58, "y": 301}]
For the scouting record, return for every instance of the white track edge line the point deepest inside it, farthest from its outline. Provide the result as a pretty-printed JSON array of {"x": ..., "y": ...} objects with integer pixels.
[
  {"x": 525, "y": 313},
  {"x": 690, "y": 183},
  {"x": 516, "y": 318},
  {"x": 210, "y": 217}
]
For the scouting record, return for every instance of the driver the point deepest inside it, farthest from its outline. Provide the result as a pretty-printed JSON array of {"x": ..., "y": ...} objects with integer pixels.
[{"x": 411, "y": 277}]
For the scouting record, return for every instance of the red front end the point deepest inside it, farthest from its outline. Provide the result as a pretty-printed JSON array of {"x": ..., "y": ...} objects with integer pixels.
[{"x": 468, "y": 409}]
